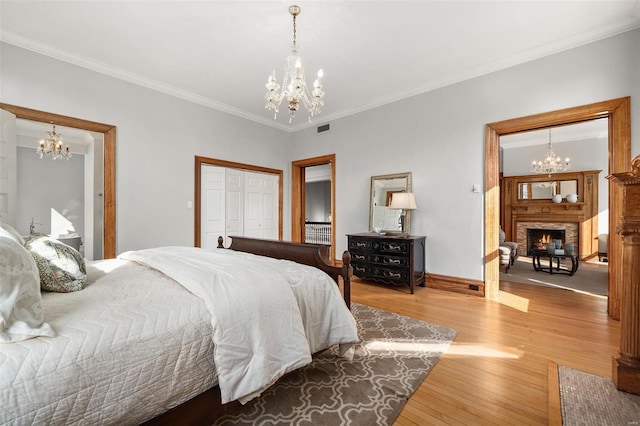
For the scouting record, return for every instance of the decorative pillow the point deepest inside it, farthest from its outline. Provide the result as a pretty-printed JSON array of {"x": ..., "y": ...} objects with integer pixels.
[
  {"x": 61, "y": 267},
  {"x": 21, "y": 314},
  {"x": 503, "y": 236}
]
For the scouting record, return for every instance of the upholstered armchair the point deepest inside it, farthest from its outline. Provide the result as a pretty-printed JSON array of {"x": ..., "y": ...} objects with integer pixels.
[
  {"x": 511, "y": 245},
  {"x": 505, "y": 257}
]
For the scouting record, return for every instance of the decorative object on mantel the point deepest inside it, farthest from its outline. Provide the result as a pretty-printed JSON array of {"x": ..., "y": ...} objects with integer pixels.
[
  {"x": 294, "y": 86},
  {"x": 551, "y": 163},
  {"x": 557, "y": 198},
  {"x": 403, "y": 201},
  {"x": 572, "y": 198},
  {"x": 51, "y": 146}
]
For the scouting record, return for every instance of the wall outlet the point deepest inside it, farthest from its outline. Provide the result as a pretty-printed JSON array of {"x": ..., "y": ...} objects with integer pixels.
[
  {"x": 189, "y": 204},
  {"x": 476, "y": 188}
]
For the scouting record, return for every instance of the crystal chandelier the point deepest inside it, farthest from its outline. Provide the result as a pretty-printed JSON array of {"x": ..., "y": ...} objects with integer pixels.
[
  {"x": 551, "y": 163},
  {"x": 294, "y": 87},
  {"x": 51, "y": 146}
]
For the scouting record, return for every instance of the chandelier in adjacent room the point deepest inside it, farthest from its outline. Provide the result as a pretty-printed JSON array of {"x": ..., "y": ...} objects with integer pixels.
[
  {"x": 294, "y": 86},
  {"x": 51, "y": 146},
  {"x": 551, "y": 163}
]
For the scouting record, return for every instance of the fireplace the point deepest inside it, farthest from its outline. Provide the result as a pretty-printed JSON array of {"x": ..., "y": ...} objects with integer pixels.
[{"x": 537, "y": 239}]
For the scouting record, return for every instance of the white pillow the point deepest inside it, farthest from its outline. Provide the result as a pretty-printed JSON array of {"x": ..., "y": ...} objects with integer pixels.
[
  {"x": 11, "y": 230},
  {"x": 21, "y": 314}
]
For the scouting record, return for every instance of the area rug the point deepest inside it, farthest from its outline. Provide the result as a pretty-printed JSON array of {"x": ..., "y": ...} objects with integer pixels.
[
  {"x": 587, "y": 399},
  {"x": 393, "y": 358},
  {"x": 589, "y": 278}
]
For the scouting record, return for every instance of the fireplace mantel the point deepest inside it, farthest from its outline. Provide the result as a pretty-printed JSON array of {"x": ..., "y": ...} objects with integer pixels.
[{"x": 579, "y": 219}]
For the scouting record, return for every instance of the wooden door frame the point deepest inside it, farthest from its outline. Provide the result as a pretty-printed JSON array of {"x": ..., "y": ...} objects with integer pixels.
[
  {"x": 199, "y": 161},
  {"x": 109, "y": 166},
  {"x": 298, "y": 197},
  {"x": 618, "y": 111}
]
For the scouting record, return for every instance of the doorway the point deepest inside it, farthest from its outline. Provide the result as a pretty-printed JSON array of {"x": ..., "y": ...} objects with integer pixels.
[
  {"x": 298, "y": 198},
  {"x": 109, "y": 163},
  {"x": 618, "y": 111}
]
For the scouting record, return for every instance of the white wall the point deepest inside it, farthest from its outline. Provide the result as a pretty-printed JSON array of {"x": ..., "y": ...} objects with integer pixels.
[
  {"x": 439, "y": 136},
  {"x": 157, "y": 137}
]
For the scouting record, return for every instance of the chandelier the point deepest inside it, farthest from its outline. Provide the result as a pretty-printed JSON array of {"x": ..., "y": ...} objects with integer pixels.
[
  {"x": 551, "y": 163},
  {"x": 294, "y": 87},
  {"x": 51, "y": 146}
]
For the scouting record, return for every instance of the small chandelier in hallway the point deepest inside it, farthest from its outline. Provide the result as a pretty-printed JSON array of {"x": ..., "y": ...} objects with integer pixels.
[
  {"x": 294, "y": 86},
  {"x": 51, "y": 146},
  {"x": 551, "y": 163}
]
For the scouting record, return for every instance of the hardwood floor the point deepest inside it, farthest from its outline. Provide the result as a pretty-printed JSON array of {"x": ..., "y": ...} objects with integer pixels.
[{"x": 495, "y": 372}]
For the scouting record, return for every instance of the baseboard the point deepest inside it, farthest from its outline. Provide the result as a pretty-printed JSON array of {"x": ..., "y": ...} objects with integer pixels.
[{"x": 455, "y": 284}]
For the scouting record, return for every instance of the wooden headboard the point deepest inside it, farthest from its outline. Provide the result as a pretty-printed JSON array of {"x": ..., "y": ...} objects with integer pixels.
[{"x": 316, "y": 255}]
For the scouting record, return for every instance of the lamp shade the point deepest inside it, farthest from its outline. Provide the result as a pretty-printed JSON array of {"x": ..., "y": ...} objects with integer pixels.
[{"x": 403, "y": 200}]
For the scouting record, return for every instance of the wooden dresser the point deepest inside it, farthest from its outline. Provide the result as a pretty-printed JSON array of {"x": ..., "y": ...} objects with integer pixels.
[{"x": 388, "y": 259}]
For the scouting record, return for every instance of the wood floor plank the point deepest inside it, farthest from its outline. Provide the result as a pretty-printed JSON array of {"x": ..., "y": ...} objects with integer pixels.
[{"x": 497, "y": 369}]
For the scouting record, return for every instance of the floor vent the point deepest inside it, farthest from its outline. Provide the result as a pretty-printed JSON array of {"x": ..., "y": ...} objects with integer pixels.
[{"x": 323, "y": 128}]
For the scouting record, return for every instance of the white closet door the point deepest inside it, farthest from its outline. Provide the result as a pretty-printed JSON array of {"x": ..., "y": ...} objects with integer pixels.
[
  {"x": 261, "y": 205},
  {"x": 8, "y": 169},
  {"x": 212, "y": 211},
  {"x": 235, "y": 204}
]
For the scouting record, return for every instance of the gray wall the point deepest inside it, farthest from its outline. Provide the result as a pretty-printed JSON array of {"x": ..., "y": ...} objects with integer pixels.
[
  {"x": 318, "y": 201},
  {"x": 45, "y": 185},
  {"x": 157, "y": 137},
  {"x": 439, "y": 136}
]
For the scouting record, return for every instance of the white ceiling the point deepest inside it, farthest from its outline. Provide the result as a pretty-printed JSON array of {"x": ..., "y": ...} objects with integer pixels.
[{"x": 219, "y": 53}]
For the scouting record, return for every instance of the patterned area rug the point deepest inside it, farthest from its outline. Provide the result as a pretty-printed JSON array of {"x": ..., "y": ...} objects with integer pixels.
[
  {"x": 395, "y": 355},
  {"x": 587, "y": 399}
]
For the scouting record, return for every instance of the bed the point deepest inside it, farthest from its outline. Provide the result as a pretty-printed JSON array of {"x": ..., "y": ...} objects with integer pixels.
[{"x": 136, "y": 346}]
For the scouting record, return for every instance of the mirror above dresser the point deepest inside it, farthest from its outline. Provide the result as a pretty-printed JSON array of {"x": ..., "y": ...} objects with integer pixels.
[{"x": 383, "y": 218}]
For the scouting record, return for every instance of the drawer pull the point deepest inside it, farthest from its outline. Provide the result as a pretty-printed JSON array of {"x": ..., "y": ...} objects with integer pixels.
[
  {"x": 393, "y": 274},
  {"x": 361, "y": 244},
  {"x": 395, "y": 247},
  {"x": 359, "y": 269},
  {"x": 358, "y": 257},
  {"x": 392, "y": 261}
]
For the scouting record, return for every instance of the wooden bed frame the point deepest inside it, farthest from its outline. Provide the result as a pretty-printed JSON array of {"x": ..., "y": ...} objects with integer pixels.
[{"x": 205, "y": 408}]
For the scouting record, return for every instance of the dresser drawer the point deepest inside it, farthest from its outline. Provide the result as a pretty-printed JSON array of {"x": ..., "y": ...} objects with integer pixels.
[
  {"x": 395, "y": 247},
  {"x": 381, "y": 259},
  {"x": 388, "y": 274},
  {"x": 360, "y": 245}
]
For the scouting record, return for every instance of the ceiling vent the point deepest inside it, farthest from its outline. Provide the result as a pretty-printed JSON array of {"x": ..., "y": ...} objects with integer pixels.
[{"x": 323, "y": 128}]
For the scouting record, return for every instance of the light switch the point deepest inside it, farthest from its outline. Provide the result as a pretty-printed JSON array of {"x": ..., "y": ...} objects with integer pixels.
[
  {"x": 476, "y": 187},
  {"x": 189, "y": 204}
]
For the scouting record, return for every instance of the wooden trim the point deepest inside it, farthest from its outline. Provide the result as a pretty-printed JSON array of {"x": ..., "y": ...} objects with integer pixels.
[
  {"x": 555, "y": 408},
  {"x": 618, "y": 111},
  {"x": 298, "y": 197},
  {"x": 455, "y": 284},
  {"x": 109, "y": 167},
  {"x": 197, "y": 204}
]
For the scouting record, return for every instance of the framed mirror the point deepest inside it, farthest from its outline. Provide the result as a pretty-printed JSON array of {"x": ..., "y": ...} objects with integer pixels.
[
  {"x": 382, "y": 217},
  {"x": 546, "y": 190}
]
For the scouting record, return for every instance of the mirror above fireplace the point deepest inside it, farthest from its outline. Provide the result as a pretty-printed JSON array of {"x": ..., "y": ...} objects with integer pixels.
[{"x": 545, "y": 190}]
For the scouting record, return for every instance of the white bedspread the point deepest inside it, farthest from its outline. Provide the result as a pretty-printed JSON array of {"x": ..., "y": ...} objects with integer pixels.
[
  {"x": 261, "y": 328},
  {"x": 135, "y": 343}
]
